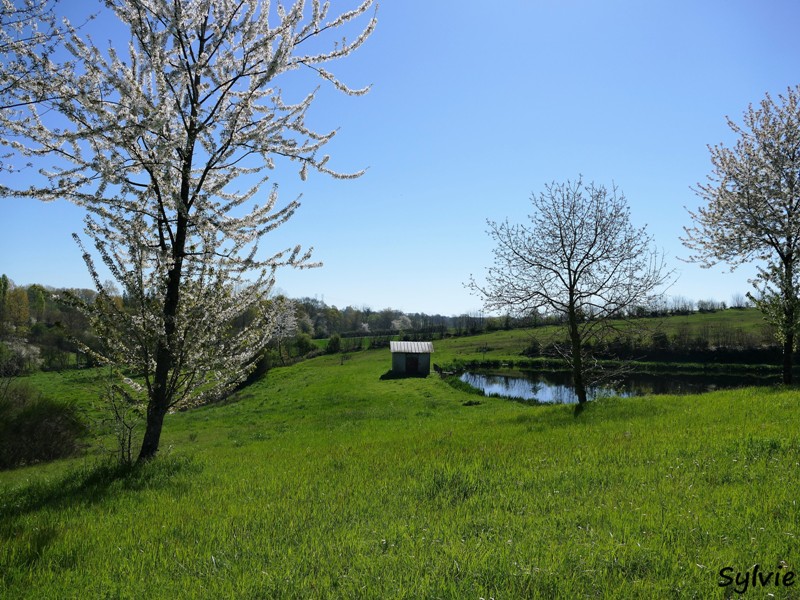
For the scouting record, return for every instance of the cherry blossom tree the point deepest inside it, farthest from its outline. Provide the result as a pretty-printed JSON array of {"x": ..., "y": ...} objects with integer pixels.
[
  {"x": 28, "y": 32},
  {"x": 751, "y": 212},
  {"x": 164, "y": 141},
  {"x": 284, "y": 327},
  {"x": 23, "y": 23},
  {"x": 580, "y": 258}
]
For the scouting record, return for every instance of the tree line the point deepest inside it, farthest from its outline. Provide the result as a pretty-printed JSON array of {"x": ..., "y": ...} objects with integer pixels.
[{"x": 39, "y": 330}]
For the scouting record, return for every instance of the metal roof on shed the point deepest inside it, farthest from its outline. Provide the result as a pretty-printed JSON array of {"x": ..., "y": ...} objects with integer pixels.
[{"x": 411, "y": 347}]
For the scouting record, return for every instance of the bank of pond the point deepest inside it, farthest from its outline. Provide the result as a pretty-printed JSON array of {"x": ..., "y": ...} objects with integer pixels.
[{"x": 556, "y": 387}]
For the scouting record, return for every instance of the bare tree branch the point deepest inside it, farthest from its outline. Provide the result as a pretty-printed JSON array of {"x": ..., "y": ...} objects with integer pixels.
[{"x": 581, "y": 258}]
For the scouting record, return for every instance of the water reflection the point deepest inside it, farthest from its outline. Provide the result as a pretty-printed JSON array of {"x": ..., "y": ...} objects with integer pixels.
[{"x": 556, "y": 386}]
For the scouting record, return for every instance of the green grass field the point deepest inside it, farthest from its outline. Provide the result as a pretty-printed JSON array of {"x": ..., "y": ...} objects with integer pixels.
[
  {"x": 325, "y": 481},
  {"x": 732, "y": 327}
]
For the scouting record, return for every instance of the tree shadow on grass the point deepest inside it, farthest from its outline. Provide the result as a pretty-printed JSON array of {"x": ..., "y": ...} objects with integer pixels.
[{"x": 92, "y": 484}]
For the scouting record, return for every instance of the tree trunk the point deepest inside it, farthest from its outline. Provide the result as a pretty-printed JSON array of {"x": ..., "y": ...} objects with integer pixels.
[
  {"x": 788, "y": 317},
  {"x": 159, "y": 400},
  {"x": 577, "y": 358},
  {"x": 156, "y": 410},
  {"x": 788, "y": 349},
  {"x": 160, "y": 397}
]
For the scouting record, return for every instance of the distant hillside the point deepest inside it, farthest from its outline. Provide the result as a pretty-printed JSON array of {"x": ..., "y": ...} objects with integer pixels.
[{"x": 725, "y": 336}]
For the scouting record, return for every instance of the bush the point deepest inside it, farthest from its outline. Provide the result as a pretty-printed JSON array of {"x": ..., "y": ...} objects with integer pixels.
[
  {"x": 35, "y": 429},
  {"x": 533, "y": 349},
  {"x": 304, "y": 344},
  {"x": 660, "y": 341},
  {"x": 380, "y": 342},
  {"x": 12, "y": 363},
  {"x": 334, "y": 344}
]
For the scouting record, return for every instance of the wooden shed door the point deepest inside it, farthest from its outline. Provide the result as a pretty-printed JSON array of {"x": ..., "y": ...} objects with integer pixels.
[{"x": 412, "y": 363}]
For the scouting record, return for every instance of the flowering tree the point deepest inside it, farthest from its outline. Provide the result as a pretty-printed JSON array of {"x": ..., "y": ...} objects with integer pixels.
[
  {"x": 163, "y": 144},
  {"x": 581, "y": 258},
  {"x": 284, "y": 324},
  {"x": 23, "y": 23},
  {"x": 28, "y": 32},
  {"x": 752, "y": 212}
]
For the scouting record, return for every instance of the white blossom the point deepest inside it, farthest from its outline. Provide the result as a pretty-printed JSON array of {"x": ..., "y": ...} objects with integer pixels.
[
  {"x": 752, "y": 211},
  {"x": 155, "y": 139}
]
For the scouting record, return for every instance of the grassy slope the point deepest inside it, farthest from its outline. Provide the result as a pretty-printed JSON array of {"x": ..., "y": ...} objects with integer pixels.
[
  {"x": 509, "y": 344},
  {"x": 325, "y": 481}
]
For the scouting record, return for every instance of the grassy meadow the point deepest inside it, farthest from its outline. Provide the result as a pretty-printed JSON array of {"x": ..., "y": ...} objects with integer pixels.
[
  {"x": 325, "y": 480},
  {"x": 723, "y": 327}
]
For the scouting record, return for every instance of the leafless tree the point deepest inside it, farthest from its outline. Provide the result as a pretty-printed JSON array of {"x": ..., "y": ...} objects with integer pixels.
[
  {"x": 579, "y": 257},
  {"x": 739, "y": 300}
]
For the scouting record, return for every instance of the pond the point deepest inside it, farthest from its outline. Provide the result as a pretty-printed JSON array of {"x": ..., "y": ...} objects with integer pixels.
[{"x": 556, "y": 386}]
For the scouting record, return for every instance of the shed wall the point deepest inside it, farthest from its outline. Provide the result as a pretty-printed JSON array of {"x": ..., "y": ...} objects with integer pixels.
[
  {"x": 424, "y": 364},
  {"x": 399, "y": 364}
]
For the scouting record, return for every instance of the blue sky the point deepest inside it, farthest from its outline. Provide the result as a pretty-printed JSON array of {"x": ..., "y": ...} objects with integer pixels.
[{"x": 476, "y": 105}]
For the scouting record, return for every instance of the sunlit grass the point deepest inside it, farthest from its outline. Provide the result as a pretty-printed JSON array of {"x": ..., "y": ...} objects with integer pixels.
[
  {"x": 747, "y": 324},
  {"x": 326, "y": 481}
]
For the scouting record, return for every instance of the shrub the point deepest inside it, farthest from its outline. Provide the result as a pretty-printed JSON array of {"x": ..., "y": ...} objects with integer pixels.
[
  {"x": 334, "y": 344},
  {"x": 377, "y": 342},
  {"x": 304, "y": 344},
  {"x": 660, "y": 341},
  {"x": 12, "y": 362},
  {"x": 533, "y": 349},
  {"x": 35, "y": 429}
]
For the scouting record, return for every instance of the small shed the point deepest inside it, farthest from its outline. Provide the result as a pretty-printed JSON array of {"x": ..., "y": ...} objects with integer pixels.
[{"x": 411, "y": 358}]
